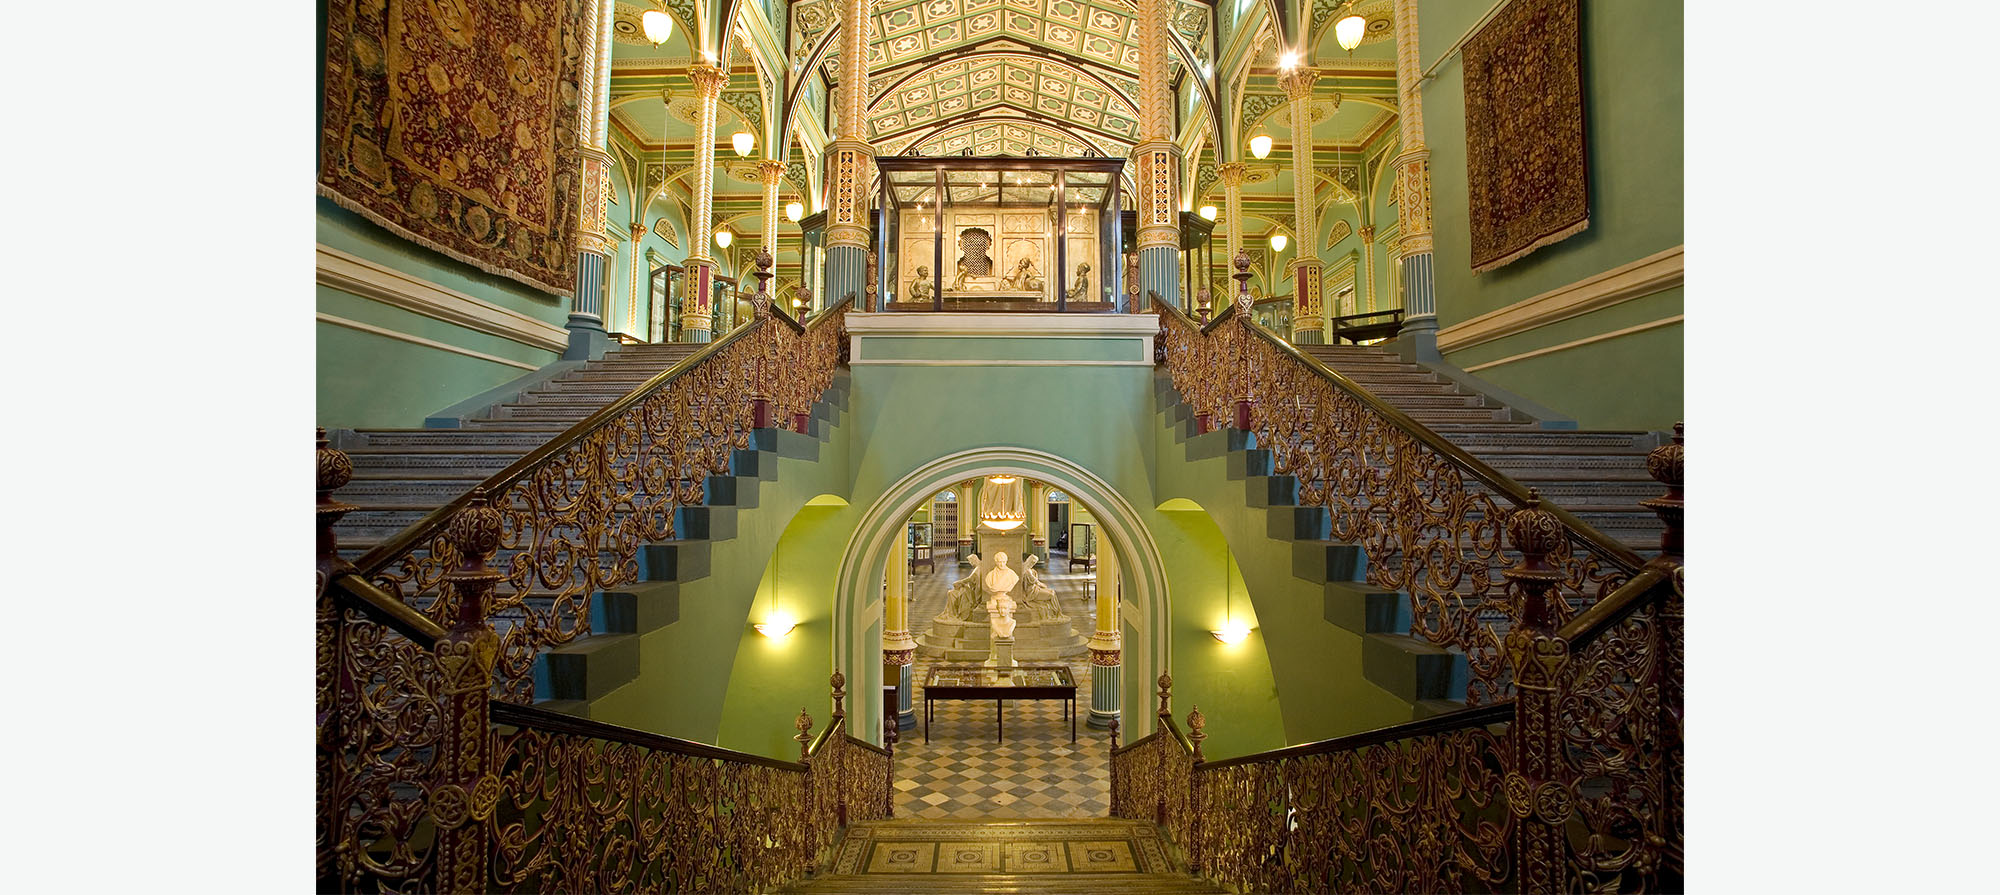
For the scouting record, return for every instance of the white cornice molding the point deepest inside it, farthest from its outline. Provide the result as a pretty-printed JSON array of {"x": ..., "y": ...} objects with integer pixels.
[
  {"x": 1654, "y": 273},
  {"x": 360, "y": 276}
]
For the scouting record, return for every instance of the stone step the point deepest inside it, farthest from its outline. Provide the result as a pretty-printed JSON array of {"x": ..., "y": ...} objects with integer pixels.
[
  {"x": 1022, "y": 883},
  {"x": 1479, "y": 440},
  {"x": 385, "y": 462},
  {"x": 451, "y": 439}
]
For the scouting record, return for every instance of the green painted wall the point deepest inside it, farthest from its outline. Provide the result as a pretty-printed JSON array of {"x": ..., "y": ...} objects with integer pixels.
[
  {"x": 773, "y": 679},
  {"x": 370, "y": 380},
  {"x": 1633, "y": 62},
  {"x": 1637, "y": 378},
  {"x": 1231, "y": 683}
]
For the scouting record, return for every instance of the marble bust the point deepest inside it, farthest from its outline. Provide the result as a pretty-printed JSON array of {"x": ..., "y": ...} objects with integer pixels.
[{"x": 999, "y": 584}]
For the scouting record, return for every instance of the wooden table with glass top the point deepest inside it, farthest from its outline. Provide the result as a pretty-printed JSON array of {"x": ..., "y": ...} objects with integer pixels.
[{"x": 1000, "y": 685}]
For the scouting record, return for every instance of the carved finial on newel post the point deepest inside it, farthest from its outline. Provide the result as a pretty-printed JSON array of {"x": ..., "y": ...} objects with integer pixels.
[
  {"x": 463, "y": 794},
  {"x": 1666, "y": 464},
  {"x": 839, "y": 682},
  {"x": 1242, "y": 277},
  {"x": 1166, "y": 683},
  {"x": 762, "y": 300},
  {"x": 1536, "y": 787},
  {"x": 1203, "y": 308},
  {"x": 804, "y": 724},
  {"x": 1196, "y": 733},
  {"x": 1114, "y": 734},
  {"x": 334, "y": 471}
]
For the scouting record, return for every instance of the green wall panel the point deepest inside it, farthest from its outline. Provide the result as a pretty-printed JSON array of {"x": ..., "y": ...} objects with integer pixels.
[{"x": 368, "y": 380}]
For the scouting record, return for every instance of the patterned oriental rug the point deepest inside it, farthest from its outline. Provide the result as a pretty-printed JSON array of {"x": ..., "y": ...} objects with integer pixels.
[
  {"x": 453, "y": 124},
  {"x": 1526, "y": 168}
]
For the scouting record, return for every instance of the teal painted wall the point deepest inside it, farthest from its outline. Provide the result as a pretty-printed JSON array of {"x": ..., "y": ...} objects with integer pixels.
[
  {"x": 1231, "y": 683},
  {"x": 370, "y": 380},
  {"x": 773, "y": 679},
  {"x": 1633, "y": 62}
]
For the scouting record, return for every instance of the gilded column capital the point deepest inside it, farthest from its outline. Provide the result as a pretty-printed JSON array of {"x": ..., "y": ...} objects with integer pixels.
[
  {"x": 770, "y": 172},
  {"x": 1298, "y": 83},
  {"x": 1367, "y": 234},
  {"x": 708, "y": 80},
  {"x": 1231, "y": 173}
]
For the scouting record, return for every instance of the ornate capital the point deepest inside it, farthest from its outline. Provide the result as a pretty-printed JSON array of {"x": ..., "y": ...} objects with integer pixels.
[
  {"x": 1298, "y": 83},
  {"x": 899, "y": 656},
  {"x": 708, "y": 81},
  {"x": 1231, "y": 173},
  {"x": 770, "y": 172},
  {"x": 1367, "y": 234}
]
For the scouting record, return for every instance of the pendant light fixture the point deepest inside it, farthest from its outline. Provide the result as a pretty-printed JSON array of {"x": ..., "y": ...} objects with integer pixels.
[
  {"x": 657, "y": 24},
  {"x": 743, "y": 141},
  {"x": 1005, "y": 511},
  {"x": 1233, "y": 630},
  {"x": 723, "y": 237},
  {"x": 1347, "y": 29},
  {"x": 776, "y": 623}
]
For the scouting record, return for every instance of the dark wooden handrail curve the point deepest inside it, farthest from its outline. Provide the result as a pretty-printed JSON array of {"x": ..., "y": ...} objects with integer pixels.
[
  {"x": 1515, "y": 492},
  {"x": 385, "y": 609},
  {"x": 1482, "y": 716},
  {"x": 404, "y": 541},
  {"x": 1598, "y": 617},
  {"x": 527, "y": 716}
]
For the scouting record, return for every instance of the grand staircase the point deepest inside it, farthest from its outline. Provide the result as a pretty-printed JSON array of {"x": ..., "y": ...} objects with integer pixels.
[
  {"x": 400, "y": 475},
  {"x": 1085, "y": 857},
  {"x": 1600, "y": 476}
]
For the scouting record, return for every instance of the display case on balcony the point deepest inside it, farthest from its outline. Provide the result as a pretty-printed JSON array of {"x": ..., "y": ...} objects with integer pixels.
[{"x": 1000, "y": 233}]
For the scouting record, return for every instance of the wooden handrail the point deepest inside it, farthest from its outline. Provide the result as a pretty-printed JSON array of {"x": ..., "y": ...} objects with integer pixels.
[
  {"x": 1598, "y": 617},
  {"x": 1515, "y": 492},
  {"x": 528, "y": 716},
  {"x": 853, "y": 740},
  {"x": 1135, "y": 743},
  {"x": 383, "y": 607},
  {"x": 1481, "y": 716},
  {"x": 402, "y": 542}
]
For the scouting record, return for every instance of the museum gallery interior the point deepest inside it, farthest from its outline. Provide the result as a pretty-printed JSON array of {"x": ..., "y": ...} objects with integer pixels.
[{"x": 999, "y": 445}]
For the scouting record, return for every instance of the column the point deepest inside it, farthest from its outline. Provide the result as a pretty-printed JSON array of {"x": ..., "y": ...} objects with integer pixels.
[
  {"x": 968, "y": 516},
  {"x": 1232, "y": 207},
  {"x": 1156, "y": 160},
  {"x": 1366, "y": 294},
  {"x": 770, "y": 173},
  {"x": 849, "y": 158},
  {"x": 1308, "y": 323},
  {"x": 696, "y": 323},
  {"x": 587, "y": 340},
  {"x": 637, "y": 277},
  {"x": 1413, "y": 187},
  {"x": 1038, "y": 520},
  {"x": 899, "y": 649},
  {"x": 1106, "y": 643}
]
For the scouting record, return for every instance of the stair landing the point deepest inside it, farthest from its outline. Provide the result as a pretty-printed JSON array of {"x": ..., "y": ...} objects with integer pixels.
[{"x": 1105, "y": 855}]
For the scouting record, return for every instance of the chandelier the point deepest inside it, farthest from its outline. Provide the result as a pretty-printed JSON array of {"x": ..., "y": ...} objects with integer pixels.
[{"x": 1002, "y": 507}]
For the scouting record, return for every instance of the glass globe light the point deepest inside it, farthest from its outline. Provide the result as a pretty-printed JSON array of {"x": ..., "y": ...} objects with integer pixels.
[
  {"x": 658, "y": 25},
  {"x": 723, "y": 238},
  {"x": 1207, "y": 211},
  {"x": 795, "y": 210},
  {"x": 743, "y": 141},
  {"x": 1260, "y": 145},
  {"x": 1279, "y": 241},
  {"x": 1348, "y": 31}
]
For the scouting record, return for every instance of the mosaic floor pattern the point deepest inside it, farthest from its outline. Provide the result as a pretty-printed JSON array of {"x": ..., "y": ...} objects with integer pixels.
[
  {"x": 1074, "y": 857},
  {"x": 1037, "y": 772}
]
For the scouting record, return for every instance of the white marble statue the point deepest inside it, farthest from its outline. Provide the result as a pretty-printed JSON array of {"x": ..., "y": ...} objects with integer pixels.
[
  {"x": 964, "y": 595},
  {"x": 1041, "y": 604},
  {"x": 999, "y": 585}
]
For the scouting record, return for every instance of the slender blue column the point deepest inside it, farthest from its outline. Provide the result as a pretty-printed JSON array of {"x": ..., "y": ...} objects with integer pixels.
[
  {"x": 1104, "y": 693},
  {"x": 846, "y": 271},
  {"x": 1160, "y": 271},
  {"x": 587, "y": 339}
]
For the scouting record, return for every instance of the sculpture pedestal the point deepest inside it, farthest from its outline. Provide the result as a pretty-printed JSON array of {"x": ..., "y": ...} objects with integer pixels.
[{"x": 1003, "y": 654}]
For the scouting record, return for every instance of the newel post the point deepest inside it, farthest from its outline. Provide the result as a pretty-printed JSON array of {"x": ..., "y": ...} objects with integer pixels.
[
  {"x": 464, "y": 791},
  {"x": 760, "y": 395},
  {"x": 839, "y": 733},
  {"x": 1242, "y": 277},
  {"x": 1162, "y": 739},
  {"x": 890, "y": 735},
  {"x": 1196, "y": 733},
  {"x": 1666, "y": 464},
  {"x": 334, "y": 470},
  {"x": 1538, "y": 790}
]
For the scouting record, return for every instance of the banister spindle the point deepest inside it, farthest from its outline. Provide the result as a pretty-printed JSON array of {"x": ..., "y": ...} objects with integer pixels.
[
  {"x": 1537, "y": 788},
  {"x": 464, "y": 790},
  {"x": 761, "y": 391}
]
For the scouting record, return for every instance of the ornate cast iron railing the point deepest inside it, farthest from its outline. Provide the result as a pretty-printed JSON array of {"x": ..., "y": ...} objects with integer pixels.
[
  {"x": 575, "y": 511},
  {"x": 424, "y": 646},
  {"x": 1428, "y": 514},
  {"x": 1575, "y": 783}
]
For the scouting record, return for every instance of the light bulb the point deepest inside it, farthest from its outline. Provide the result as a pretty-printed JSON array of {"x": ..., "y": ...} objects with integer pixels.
[
  {"x": 1348, "y": 31},
  {"x": 658, "y": 25},
  {"x": 1260, "y": 145},
  {"x": 723, "y": 238},
  {"x": 743, "y": 141},
  {"x": 1207, "y": 211},
  {"x": 1289, "y": 59},
  {"x": 1279, "y": 241},
  {"x": 795, "y": 210}
]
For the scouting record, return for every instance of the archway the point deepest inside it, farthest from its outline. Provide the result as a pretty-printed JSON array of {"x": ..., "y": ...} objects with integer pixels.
[{"x": 857, "y": 611}]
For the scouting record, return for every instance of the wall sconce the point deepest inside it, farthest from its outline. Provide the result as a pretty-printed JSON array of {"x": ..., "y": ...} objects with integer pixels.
[
  {"x": 1207, "y": 211},
  {"x": 1233, "y": 630},
  {"x": 1260, "y": 145},
  {"x": 776, "y": 625},
  {"x": 744, "y": 142},
  {"x": 723, "y": 237}
]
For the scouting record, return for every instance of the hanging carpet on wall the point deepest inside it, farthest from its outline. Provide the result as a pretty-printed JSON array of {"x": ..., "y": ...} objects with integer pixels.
[
  {"x": 1526, "y": 168},
  {"x": 453, "y": 124}
]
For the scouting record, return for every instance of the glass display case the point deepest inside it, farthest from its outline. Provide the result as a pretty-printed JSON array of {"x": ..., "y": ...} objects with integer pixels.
[
  {"x": 663, "y": 304},
  {"x": 1082, "y": 547},
  {"x": 1000, "y": 233},
  {"x": 920, "y": 547}
]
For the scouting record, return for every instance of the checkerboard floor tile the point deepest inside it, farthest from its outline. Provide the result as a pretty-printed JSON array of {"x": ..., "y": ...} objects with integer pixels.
[{"x": 1037, "y": 772}]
